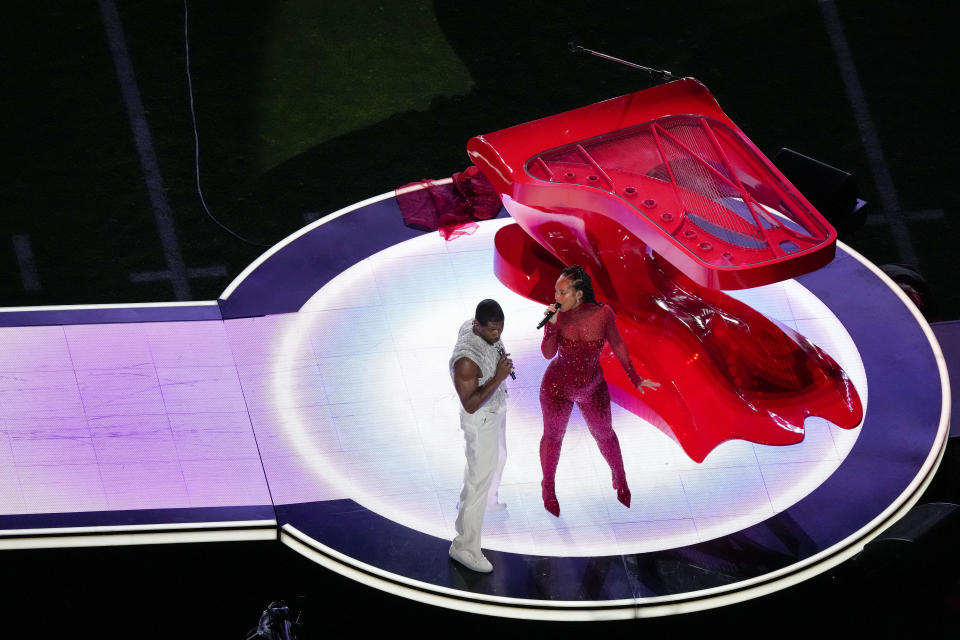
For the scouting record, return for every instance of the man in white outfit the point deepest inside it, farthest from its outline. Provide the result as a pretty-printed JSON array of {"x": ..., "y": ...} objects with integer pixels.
[{"x": 479, "y": 367}]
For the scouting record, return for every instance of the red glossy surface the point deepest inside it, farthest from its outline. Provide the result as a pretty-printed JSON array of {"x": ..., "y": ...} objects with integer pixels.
[
  {"x": 664, "y": 201},
  {"x": 663, "y": 168},
  {"x": 726, "y": 370},
  {"x": 575, "y": 347}
]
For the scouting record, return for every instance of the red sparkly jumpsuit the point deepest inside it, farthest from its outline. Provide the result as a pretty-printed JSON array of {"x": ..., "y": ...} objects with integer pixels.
[{"x": 575, "y": 376}]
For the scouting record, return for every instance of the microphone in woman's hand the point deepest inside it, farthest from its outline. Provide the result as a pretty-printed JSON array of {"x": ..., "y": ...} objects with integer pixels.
[{"x": 546, "y": 318}]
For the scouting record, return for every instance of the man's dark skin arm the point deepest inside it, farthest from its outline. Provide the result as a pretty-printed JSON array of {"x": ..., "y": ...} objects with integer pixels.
[{"x": 466, "y": 380}]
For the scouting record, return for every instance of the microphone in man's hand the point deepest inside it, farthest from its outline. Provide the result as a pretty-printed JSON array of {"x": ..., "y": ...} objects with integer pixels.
[
  {"x": 546, "y": 318},
  {"x": 501, "y": 353}
]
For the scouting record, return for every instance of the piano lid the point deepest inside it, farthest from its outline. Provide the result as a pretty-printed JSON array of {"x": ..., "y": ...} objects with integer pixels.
[{"x": 698, "y": 190}]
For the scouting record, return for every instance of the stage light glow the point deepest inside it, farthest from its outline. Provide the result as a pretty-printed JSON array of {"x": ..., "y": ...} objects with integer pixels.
[{"x": 383, "y": 330}]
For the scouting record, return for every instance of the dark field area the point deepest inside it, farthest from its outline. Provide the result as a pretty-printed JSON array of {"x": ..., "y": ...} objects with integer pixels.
[
  {"x": 303, "y": 108},
  {"x": 306, "y": 107}
]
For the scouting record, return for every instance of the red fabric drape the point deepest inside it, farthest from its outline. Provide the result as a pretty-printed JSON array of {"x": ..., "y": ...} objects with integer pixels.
[{"x": 450, "y": 208}]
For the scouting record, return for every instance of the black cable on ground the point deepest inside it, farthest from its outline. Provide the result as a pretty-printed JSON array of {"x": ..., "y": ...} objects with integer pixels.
[{"x": 196, "y": 137}]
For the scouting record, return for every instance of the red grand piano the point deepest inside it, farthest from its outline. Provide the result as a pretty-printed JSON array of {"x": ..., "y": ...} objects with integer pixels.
[{"x": 662, "y": 198}]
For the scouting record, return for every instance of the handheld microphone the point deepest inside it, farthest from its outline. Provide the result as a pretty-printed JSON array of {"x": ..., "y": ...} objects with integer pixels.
[
  {"x": 546, "y": 318},
  {"x": 501, "y": 352}
]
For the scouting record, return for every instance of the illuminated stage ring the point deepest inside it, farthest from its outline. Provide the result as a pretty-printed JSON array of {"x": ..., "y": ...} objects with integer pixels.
[{"x": 902, "y": 441}]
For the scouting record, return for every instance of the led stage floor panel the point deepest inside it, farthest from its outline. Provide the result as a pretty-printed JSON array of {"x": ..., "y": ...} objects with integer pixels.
[
  {"x": 381, "y": 335},
  {"x": 323, "y": 399},
  {"x": 115, "y": 429}
]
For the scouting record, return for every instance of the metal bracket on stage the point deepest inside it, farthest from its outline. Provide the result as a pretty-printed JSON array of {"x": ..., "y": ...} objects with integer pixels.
[{"x": 661, "y": 74}]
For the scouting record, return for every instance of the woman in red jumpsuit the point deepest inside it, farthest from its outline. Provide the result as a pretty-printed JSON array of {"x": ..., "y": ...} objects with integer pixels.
[{"x": 577, "y": 332}]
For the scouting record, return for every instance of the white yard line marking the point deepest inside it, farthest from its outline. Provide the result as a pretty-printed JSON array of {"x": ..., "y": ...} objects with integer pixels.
[
  {"x": 889, "y": 200},
  {"x": 217, "y": 271},
  {"x": 144, "y": 143},
  {"x": 28, "y": 267}
]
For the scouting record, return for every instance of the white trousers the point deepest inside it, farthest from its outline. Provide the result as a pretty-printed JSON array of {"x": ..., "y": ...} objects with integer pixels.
[{"x": 486, "y": 451}]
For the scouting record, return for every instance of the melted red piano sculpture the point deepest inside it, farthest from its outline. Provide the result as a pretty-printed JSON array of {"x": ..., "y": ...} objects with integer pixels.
[{"x": 665, "y": 202}]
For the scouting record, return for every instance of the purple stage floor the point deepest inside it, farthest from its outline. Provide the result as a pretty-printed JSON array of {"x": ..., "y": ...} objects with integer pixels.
[{"x": 312, "y": 402}]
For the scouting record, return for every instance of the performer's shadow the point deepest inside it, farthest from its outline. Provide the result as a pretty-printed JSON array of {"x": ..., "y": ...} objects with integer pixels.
[{"x": 768, "y": 546}]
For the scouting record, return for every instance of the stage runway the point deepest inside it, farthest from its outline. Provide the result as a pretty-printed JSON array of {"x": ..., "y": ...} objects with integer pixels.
[{"x": 313, "y": 403}]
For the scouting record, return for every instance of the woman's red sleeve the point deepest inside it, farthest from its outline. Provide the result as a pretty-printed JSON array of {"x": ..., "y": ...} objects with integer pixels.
[
  {"x": 548, "y": 347},
  {"x": 619, "y": 347}
]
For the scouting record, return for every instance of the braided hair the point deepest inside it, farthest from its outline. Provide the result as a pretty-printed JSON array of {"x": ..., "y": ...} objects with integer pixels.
[{"x": 581, "y": 281}]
